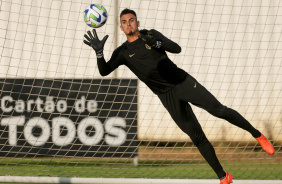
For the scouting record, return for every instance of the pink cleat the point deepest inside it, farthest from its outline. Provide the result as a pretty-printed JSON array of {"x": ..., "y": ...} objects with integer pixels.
[
  {"x": 227, "y": 179},
  {"x": 265, "y": 144}
]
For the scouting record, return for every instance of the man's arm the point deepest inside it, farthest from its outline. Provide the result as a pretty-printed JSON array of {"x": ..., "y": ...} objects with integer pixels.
[
  {"x": 158, "y": 40},
  {"x": 166, "y": 43},
  {"x": 104, "y": 67}
]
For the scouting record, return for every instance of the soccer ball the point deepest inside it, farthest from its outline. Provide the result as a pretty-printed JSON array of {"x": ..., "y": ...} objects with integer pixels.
[{"x": 95, "y": 15}]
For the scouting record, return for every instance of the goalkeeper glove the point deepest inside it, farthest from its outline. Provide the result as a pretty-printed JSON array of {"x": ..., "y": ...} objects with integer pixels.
[
  {"x": 148, "y": 38},
  {"x": 95, "y": 43}
]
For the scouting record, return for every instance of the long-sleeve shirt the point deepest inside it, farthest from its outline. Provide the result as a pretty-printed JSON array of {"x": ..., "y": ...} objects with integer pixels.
[{"x": 151, "y": 65}]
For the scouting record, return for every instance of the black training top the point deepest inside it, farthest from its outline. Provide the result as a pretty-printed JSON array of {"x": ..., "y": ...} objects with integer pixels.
[{"x": 151, "y": 65}]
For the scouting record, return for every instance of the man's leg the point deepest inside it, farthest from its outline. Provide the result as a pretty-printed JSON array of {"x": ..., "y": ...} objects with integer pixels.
[
  {"x": 186, "y": 120},
  {"x": 192, "y": 91}
]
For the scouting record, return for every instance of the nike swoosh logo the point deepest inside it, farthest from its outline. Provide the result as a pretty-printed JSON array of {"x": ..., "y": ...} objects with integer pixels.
[
  {"x": 195, "y": 85},
  {"x": 131, "y": 55}
]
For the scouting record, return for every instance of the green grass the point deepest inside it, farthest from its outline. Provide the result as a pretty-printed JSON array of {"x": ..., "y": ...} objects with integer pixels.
[{"x": 126, "y": 169}]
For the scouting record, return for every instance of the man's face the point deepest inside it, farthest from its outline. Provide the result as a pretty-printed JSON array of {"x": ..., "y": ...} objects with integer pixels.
[{"x": 129, "y": 24}]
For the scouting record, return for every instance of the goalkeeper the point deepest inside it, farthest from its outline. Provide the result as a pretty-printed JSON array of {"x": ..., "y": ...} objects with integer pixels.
[{"x": 144, "y": 53}]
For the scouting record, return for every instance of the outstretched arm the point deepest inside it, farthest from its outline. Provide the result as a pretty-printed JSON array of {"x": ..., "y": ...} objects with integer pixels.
[
  {"x": 98, "y": 45},
  {"x": 158, "y": 40}
]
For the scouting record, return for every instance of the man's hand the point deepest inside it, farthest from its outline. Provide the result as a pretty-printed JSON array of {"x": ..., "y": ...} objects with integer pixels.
[
  {"x": 149, "y": 39},
  {"x": 94, "y": 42}
]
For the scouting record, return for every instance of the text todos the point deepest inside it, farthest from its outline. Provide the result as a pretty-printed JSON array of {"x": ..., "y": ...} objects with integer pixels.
[{"x": 113, "y": 126}]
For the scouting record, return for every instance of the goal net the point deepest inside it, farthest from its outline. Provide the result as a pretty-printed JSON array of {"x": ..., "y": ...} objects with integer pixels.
[{"x": 61, "y": 119}]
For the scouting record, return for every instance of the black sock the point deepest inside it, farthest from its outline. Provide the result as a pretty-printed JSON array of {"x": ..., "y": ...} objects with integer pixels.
[
  {"x": 222, "y": 177},
  {"x": 257, "y": 135}
]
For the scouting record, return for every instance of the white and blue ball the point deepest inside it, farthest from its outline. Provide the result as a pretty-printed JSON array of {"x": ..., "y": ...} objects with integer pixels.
[{"x": 95, "y": 15}]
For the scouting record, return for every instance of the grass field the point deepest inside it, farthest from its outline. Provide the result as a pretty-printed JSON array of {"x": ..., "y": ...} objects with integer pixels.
[
  {"x": 153, "y": 163},
  {"x": 119, "y": 169}
]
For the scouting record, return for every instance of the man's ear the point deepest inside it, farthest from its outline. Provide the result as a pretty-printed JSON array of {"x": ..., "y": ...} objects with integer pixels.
[{"x": 138, "y": 24}]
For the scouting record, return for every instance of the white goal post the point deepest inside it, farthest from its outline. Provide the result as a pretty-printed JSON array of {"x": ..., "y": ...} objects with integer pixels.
[
  {"x": 28, "y": 179},
  {"x": 60, "y": 121}
]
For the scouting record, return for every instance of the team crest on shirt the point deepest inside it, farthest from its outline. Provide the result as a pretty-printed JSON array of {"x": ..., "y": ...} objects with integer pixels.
[{"x": 147, "y": 46}]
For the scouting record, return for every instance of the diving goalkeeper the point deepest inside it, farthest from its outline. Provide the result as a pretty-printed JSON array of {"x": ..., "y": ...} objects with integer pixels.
[{"x": 144, "y": 53}]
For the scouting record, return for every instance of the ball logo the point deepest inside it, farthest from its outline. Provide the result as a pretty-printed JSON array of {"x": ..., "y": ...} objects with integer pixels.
[{"x": 95, "y": 18}]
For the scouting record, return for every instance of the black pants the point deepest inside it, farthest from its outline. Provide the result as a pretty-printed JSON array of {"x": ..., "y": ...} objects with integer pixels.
[{"x": 176, "y": 102}]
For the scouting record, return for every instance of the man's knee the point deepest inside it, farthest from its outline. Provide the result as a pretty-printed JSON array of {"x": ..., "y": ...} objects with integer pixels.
[
  {"x": 198, "y": 138},
  {"x": 220, "y": 112}
]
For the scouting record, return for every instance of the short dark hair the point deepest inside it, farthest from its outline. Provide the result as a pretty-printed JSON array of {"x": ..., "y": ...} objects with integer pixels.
[{"x": 126, "y": 11}]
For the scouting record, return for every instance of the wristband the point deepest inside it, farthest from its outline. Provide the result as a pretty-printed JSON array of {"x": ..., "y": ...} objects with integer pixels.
[{"x": 99, "y": 54}]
